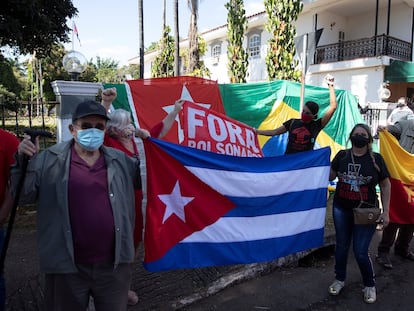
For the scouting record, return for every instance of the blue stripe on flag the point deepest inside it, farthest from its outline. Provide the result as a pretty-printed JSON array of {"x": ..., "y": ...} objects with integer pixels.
[
  {"x": 199, "y": 158},
  {"x": 193, "y": 255}
]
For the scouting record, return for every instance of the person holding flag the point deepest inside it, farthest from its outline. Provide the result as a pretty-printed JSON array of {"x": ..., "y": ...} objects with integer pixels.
[
  {"x": 359, "y": 170},
  {"x": 120, "y": 134},
  {"x": 85, "y": 216},
  {"x": 303, "y": 132},
  {"x": 404, "y": 131}
]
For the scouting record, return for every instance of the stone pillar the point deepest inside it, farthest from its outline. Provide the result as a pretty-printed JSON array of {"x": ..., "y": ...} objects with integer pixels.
[{"x": 69, "y": 94}]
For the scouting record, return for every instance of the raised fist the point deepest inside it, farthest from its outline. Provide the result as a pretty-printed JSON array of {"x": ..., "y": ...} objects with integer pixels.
[{"x": 329, "y": 79}]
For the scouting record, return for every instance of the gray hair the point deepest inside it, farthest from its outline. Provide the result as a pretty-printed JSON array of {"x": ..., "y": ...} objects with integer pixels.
[{"x": 119, "y": 119}]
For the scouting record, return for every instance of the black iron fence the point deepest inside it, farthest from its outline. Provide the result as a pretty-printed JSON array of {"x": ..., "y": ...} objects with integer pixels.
[
  {"x": 382, "y": 45},
  {"x": 16, "y": 115}
]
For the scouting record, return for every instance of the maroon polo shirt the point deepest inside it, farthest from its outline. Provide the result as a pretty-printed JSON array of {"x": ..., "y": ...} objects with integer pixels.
[{"x": 90, "y": 211}]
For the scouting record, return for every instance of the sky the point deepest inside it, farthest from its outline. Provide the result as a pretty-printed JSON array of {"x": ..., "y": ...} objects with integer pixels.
[{"x": 109, "y": 29}]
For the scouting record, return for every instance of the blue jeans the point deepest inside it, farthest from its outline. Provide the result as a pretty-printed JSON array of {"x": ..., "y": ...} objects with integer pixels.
[{"x": 361, "y": 236}]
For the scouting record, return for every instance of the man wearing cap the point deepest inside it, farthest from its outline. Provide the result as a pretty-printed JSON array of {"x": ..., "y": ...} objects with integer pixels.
[{"x": 85, "y": 200}]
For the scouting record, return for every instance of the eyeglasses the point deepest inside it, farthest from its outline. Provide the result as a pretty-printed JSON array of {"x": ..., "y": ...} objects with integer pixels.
[{"x": 87, "y": 125}]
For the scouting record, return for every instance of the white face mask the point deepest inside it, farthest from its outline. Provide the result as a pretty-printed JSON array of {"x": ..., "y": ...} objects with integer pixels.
[
  {"x": 90, "y": 139},
  {"x": 127, "y": 131}
]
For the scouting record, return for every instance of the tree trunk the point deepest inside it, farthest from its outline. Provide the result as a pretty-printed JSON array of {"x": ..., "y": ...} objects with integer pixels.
[
  {"x": 177, "y": 40},
  {"x": 141, "y": 37},
  {"x": 193, "y": 53}
]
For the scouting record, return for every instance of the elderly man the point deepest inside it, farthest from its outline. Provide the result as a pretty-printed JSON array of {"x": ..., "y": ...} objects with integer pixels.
[
  {"x": 85, "y": 198},
  {"x": 401, "y": 112}
]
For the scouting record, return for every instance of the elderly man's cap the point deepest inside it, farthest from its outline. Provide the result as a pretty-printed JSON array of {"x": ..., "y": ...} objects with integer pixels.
[{"x": 89, "y": 108}]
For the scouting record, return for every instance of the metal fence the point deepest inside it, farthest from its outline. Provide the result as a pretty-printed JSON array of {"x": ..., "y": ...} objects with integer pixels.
[{"x": 16, "y": 115}]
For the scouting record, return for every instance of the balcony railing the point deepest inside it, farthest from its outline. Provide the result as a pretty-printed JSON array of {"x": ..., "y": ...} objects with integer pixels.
[{"x": 367, "y": 47}]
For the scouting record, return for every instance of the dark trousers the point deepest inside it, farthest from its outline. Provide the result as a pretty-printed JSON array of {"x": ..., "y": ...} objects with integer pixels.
[
  {"x": 71, "y": 291},
  {"x": 402, "y": 243}
]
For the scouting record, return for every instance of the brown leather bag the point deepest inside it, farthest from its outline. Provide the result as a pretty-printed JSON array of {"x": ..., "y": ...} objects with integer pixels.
[{"x": 366, "y": 216}]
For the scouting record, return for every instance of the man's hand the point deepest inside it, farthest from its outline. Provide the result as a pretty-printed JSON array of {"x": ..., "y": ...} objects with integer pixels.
[
  {"x": 26, "y": 147},
  {"x": 108, "y": 96}
]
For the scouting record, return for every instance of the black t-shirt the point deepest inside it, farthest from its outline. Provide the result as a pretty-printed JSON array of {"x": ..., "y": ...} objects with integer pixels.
[
  {"x": 363, "y": 175},
  {"x": 302, "y": 135}
]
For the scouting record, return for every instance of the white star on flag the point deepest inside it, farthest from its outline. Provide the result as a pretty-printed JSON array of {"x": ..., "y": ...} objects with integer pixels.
[
  {"x": 185, "y": 95},
  {"x": 175, "y": 203}
]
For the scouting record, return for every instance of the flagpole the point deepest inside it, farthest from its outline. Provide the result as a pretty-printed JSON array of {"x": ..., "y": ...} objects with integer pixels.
[
  {"x": 73, "y": 27},
  {"x": 302, "y": 78}
]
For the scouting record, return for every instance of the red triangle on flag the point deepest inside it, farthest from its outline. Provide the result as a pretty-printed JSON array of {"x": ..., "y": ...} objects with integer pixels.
[{"x": 178, "y": 204}]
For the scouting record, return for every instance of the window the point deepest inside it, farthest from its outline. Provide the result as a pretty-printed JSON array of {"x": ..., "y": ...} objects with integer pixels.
[
  {"x": 216, "y": 51},
  {"x": 254, "y": 46}
]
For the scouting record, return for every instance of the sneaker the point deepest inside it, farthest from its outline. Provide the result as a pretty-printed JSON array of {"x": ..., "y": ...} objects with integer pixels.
[
  {"x": 370, "y": 294},
  {"x": 132, "y": 298},
  {"x": 336, "y": 287},
  {"x": 384, "y": 260}
]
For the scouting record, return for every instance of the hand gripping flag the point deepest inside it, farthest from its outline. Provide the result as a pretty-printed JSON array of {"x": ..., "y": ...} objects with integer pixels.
[
  {"x": 400, "y": 164},
  {"x": 208, "y": 209}
]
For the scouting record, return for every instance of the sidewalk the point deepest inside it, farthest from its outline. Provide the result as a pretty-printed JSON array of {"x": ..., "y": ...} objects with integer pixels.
[{"x": 169, "y": 290}]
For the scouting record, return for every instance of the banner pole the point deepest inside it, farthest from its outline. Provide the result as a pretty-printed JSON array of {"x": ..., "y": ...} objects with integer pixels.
[{"x": 302, "y": 78}]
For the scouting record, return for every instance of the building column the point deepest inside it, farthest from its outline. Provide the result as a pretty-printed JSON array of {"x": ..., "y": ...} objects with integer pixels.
[{"x": 69, "y": 94}]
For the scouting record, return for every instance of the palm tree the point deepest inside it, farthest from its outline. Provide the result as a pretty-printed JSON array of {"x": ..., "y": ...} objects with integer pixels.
[
  {"x": 177, "y": 41},
  {"x": 193, "y": 51},
  {"x": 141, "y": 37}
]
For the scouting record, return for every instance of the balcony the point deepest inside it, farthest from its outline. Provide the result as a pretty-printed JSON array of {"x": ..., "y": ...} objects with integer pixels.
[{"x": 368, "y": 47}]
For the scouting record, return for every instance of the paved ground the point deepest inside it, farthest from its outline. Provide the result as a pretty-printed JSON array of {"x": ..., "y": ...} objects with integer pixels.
[
  {"x": 290, "y": 283},
  {"x": 303, "y": 287}
]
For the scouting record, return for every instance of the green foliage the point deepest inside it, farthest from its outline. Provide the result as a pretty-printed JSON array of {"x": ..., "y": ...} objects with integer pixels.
[
  {"x": 238, "y": 59},
  {"x": 52, "y": 69},
  {"x": 163, "y": 65},
  {"x": 281, "y": 46},
  {"x": 152, "y": 47},
  {"x": 9, "y": 84},
  {"x": 35, "y": 25},
  {"x": 202, "y": 71},
  {"x": 107, "y": 70}
]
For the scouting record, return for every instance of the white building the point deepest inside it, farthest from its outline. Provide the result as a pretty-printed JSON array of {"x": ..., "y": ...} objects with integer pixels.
[{"x": 363, "y": 44}]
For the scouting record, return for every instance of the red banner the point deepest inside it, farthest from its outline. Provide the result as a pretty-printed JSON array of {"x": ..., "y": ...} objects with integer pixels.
[{"x": 212, "y": 131}]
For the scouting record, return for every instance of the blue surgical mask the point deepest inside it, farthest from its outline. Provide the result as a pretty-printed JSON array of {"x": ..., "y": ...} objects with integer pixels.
[{"x": 90, "y": 139}]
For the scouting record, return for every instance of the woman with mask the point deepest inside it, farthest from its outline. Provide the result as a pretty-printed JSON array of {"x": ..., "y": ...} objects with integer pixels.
[
  {"x": 303, "y": 132},
  {"x": 359, "y": 170}
]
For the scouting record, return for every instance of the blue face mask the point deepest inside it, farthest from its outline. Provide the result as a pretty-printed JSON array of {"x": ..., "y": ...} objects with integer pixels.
[{"x": 90, "y": 139}]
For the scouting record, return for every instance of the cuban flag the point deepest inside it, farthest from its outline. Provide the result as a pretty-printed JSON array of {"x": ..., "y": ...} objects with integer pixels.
[{"x": 208, "y": 209}]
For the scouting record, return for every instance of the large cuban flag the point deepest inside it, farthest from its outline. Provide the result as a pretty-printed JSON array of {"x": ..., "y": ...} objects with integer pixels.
[{"x": 208, "y": 209}]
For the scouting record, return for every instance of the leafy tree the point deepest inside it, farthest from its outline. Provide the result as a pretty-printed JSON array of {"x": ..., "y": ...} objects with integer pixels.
[
  {"x": 107, "y": 70},
  {"x": 52, "y": 69},
  {"x": 152, "y": 47},
  {"x": 202, "y": 71},
  {"x": 35, "y": 25},
  {"x": 163, "y": 65},
  {"x": 281, "y": 47},
  {"x": 238, "y": 59},
  {"x": 9, "y": 84}
]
